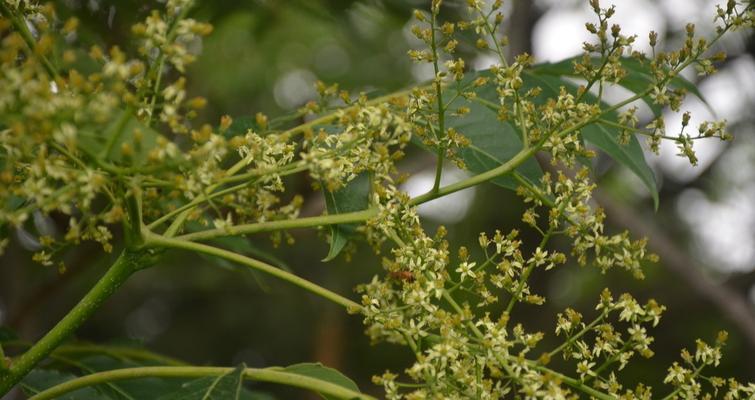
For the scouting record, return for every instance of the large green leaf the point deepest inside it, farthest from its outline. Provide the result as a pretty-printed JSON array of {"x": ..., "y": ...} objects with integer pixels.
[
  {"x": 127, "y": 389},
  {"x": 41, "y": 379},
  {"x": 222, "y": 387},
  {"x": 355, "y": 196},
  {"x": 136, "y": 389},
  {"x": 492, "y": 143},
  {"x": 323, "y": 373},
  {"x": 604, "y": 137},
  {"x": 630, "y": 155},
  {"x": 638, "y": 79}
]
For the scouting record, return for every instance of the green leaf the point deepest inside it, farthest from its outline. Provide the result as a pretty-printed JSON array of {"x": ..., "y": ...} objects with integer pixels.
[
  {"x": 338, "y": 240},
  {"x": 355, "y": 196},
  {"x": 223, "y": 387},
  {"x": 640, "y": 71},
  {"x": 639, "y": 78},
  {"x": 492, "y": 143},
  {"x": 604, "y": 137},
  {"x": 241, "y": 125},
  {"x": 40, "y": 379},
  {"x": 127, "y": 389},
  {"x": 323, "y": 373},
  {"x": 123, "y": 129},
  {"x": 142, "y": 388},
  {"x": 629, "y": 155}
]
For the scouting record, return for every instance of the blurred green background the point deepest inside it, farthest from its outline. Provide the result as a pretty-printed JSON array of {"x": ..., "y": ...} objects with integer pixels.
[{"x": 265, "y": 56}]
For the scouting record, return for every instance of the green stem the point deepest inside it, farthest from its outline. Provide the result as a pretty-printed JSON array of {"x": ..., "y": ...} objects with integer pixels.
[
  {"x": 210, "y": 194},
  {"x": 156, "y": 70},
  {"x": 516, "y": 297},
  {"x": 503, "y": 169},
  {"x": 607, "y": 363},
  {"x": 154, "y": 240},
  {"x": 441, "y": 109},
  {"x": 156, "y": 90},
  {"x": 68, "y": 154},
  {"x": 20, "y": 24},
  {"x": 121, "y": 269},
  {"x": 289, "y": 169},
  {"x": 579, "y": 334},
  {"x": 133, "y": 224},
  {"x": 673, "y": 394},
  {"x": 576, "y": 384},
  {"x": 270, "y": 226},
  {"x": 272, "y": 375},
  {"x": 597, "y": 77}
]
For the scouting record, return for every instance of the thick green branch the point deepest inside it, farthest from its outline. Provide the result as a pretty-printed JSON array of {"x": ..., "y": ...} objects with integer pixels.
[
  {"x": 121, "y": 269},
  {"x": 153, "y": 240},
  {"x": 272, "y": 375}
]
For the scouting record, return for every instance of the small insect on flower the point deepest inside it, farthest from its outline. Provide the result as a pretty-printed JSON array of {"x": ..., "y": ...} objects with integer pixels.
[{"x": 402, "y": 276}]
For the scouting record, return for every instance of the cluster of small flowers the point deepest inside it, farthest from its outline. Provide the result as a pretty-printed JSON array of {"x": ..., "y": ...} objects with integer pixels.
[
  {"x": 44, "y": 117},
  {"x": 688, "y": 380},
  {"x": 424, "y": 119},
  {"x": 265, "y": 158},
  {"x": 405, "y": 308},
  {"x": 168, "y": 37},
  {"x": 463, "y": 353},
  {"x": 416, "y": 274},
  {"x": 364, "y": 138},
  {"x": 269, "y": 156},
  {"x": 511, "y": 269},
  {"x": 610, "y": 46},
  {"x": 568, "y": 202},
  {"x": 609, "y": 346},
  {"x": 72, "y": 145},
  {"x": 665, "y": 66},
  {"x": 559, "y": 115},
  {"x": 427, "y": 106}
]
